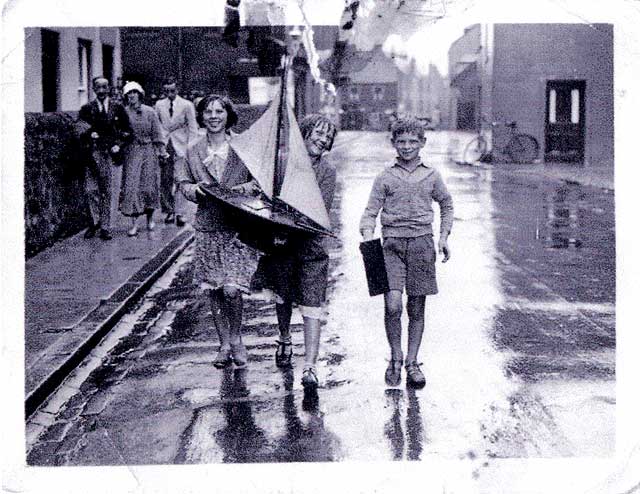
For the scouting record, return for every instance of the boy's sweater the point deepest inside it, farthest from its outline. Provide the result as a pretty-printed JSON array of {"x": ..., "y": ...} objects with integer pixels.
[{"x": 405, "y": 198}]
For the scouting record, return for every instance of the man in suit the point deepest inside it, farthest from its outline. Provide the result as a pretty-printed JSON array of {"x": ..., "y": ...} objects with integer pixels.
[
  {"x": 109, "y": 130},
  {"x": 178, "y": 121}
]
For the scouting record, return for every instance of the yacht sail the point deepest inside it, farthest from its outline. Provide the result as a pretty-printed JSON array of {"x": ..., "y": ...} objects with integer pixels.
[
  {"x": 257, "y": 147},
  {"x": 300, "y": 188}
]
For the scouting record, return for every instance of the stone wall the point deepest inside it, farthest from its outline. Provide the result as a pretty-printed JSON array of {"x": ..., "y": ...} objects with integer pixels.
[{"x": 54, "y": 200}]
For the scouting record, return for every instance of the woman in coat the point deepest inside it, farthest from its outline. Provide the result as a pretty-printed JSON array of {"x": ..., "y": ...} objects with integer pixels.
[
  {"x": 141, "y": 170},
  {"x": 223, "y": 264}
]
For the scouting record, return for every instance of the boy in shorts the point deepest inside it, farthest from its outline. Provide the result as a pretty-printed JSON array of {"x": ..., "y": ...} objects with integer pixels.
[{"x": 405, "y": 192}]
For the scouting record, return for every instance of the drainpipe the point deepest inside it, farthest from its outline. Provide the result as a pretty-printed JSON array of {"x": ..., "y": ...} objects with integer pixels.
[
  {"x": 180, "y": 75},
  {"x": 486, "y": 74},
  {"x": 117, "y": 58}
]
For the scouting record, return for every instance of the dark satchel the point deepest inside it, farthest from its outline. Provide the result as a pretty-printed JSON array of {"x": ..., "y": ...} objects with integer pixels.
[{"x": 374, "y": 267}]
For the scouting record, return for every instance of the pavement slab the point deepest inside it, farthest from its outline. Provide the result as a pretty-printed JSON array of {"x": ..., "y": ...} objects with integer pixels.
[{"x": 77, "y": 289}]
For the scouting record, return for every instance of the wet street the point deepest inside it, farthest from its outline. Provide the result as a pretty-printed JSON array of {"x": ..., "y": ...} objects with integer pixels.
[{"x": 518, "y": 350}]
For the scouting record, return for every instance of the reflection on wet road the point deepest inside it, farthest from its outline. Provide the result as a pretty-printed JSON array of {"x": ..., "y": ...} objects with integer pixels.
[{"x": 518, "y": 350}]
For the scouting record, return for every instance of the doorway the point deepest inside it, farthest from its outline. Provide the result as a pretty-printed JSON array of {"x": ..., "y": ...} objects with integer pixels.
[
  {"x": 565, "y": 121},
  {"x": 50, "y": 70}
]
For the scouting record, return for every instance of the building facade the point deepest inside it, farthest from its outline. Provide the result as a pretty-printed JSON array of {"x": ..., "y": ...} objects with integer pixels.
[
  {"x": 554, "y": 80},
  {"x": 425, "y": 96},
  {"x": 368, "y": 90},
  {"x": 205, "y": 60},
  {"x": 60, "y": 63},
  {"x": 467, "y": 64}
]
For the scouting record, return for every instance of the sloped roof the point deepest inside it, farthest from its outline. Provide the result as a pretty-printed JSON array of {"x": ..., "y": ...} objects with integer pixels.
[
  {"x": 369, "y": 67},
  {"x": 463, "y": 72}
]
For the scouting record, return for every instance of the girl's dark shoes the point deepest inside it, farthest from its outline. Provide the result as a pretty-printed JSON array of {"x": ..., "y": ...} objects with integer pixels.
[
  {"x": 309, "y": 379},
  {"x": 284, "y": 352}
]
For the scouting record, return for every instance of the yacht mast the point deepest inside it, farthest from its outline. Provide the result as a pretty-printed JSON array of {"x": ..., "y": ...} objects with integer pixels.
[{"x": 279, "y": 166}]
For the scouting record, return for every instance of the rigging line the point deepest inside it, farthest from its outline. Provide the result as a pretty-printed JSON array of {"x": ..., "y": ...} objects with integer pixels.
[
  {"x": 8, "y": 53},
  {"x": 578, "y": 16}
]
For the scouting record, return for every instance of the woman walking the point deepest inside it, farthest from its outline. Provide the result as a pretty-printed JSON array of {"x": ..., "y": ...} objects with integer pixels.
[
  {"x": 141, "y": 171},
  {"x": 223, "y": 264},
  {"x": 299, "y": 272}
]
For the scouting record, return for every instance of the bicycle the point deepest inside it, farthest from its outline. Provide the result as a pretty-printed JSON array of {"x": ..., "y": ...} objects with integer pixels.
[{"x": 520, "y": 148}]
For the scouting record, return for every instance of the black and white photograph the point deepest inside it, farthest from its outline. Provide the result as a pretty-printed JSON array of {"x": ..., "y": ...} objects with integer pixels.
[{"x": 350, "y": 246}]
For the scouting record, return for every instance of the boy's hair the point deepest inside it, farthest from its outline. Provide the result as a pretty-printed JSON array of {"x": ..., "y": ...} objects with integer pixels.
[
  {"x": 310, "y": 122},
  {"x": 407, "y": 125}
]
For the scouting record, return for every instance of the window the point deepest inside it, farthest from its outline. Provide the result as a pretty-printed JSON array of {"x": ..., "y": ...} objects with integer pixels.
[
  {"x": 84, "y": 69},
  {"x": 354, "y": 93},
  {"x": 50, "y": 70},
  {"x": 378, "y": 93},
  {"x": 552, "y": 106},
  {"x": 575, "y": 106}
]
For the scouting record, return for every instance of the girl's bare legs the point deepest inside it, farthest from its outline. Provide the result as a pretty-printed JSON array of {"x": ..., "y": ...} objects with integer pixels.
[
  {"x": 284, "y": 350},
  {"x": 311, "y": 347},
  {"x": 311, "y": 341},
  {"x": 284, "y": 311},
  {"x": 233, "y": 305},
  {"x": 216, "y": 298}
]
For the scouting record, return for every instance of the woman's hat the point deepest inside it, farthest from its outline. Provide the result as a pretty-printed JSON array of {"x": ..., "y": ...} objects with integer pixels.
[{"x": 132, "y": 86}]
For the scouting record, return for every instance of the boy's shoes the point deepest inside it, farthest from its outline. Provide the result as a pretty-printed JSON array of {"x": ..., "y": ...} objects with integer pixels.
[
  {"x": 180, "y": 221},
  {"x": 169, "y": 218},
  {"x": 415, "y": 377},
  {"x": 309, "y": 379},
  {"x": 393, "y": 374}
]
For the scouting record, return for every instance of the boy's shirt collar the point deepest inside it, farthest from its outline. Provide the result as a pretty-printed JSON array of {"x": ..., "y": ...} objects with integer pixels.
[{"x": 420, "y": 163}]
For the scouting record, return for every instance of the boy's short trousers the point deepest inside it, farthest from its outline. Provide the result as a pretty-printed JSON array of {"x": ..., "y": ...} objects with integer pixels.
[{"x": 411, "y": 264}]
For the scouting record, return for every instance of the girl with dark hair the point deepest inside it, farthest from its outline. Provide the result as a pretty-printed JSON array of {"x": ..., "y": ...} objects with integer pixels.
[
  {"x": 140, "y": 191},
  {"x": 299, "y": 272},
  {"x": 223, "y": 264}
]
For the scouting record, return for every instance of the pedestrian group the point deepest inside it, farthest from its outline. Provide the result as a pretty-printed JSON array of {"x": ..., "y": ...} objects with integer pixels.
[{"x": 171, "y": 152}]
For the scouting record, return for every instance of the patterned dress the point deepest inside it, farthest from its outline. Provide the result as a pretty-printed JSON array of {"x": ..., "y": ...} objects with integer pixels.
[
  {"x": 220, "y": 258},
  {"x": 141, "y": 169}
]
